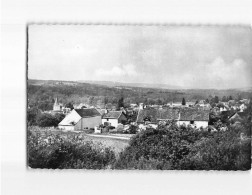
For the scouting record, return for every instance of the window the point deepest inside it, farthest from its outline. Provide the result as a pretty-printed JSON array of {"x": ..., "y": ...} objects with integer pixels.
[
  {"x": 107, "y": 119},
  {"x": 191, "y": 122}
]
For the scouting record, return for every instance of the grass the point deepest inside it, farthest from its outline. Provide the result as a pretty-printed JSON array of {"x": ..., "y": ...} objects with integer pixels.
[{"x": 117, "y": 145}]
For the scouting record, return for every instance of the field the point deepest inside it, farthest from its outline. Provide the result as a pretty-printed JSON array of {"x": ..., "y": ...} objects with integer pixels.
[{"x": 117, "y": 145}]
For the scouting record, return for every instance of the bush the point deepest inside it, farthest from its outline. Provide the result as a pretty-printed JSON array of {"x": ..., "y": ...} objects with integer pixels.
[
  {"x": 167, "y": 145},
  {"x": 57, "y": 152},
  {"x": 132, "y": 129},
  {"x": 48, "y": 120},
  {"x": 32, "y": 115},
  {"x": 183, "y": 148},
  {"x": 223, "y": 151}
]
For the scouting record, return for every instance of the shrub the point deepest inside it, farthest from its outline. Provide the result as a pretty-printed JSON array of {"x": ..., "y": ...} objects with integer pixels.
[
  {"x": 48, "y": 120},
  {"x": 132, "y": 129},
  {"x": 168, "y": 144},
  {"x": 173, "y": 147},
  {"x": 223, "y": 151},
  {"x": 66, "y": 153}
]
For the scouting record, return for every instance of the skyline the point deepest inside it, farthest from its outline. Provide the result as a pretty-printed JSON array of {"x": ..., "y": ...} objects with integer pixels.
[{"x": 187, "y": 56}]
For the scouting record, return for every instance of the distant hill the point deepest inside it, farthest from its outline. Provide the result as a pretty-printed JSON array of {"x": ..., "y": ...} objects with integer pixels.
[
  {"x": 125, "y": 85},
  {"x": 120, "y": 84}
]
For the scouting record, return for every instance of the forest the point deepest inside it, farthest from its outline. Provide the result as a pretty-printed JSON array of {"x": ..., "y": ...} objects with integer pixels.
[{"x": 41, "y": 94}]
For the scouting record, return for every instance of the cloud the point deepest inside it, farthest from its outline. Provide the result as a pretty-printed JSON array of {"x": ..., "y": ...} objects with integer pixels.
[
  {"x": 117, "y": 71},
  {"x": 221, "y": 74}
]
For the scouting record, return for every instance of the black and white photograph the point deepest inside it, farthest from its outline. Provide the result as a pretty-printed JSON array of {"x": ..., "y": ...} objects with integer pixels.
[
  {"x": 139, "y": 97},
  {"x": 118, "y": 97}
]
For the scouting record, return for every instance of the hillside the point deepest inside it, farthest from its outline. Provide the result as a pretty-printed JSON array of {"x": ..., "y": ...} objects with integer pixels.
[{"x": 41, "y": 93}]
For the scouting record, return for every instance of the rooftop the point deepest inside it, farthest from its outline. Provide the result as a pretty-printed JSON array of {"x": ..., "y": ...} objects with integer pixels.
[
  {"x": 87, "y": 112},
  {"x": 153, "y": 115},
  {"x": 194, "y": 115},
  {"x": 113, "y": 114}
]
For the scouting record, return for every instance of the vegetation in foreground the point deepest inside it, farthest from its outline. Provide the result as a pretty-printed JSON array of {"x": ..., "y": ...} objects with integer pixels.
[
  {"x": 183, "y": 148},
  {"x": 168, "y": 147},
  {"x": 67, "y": 152}
]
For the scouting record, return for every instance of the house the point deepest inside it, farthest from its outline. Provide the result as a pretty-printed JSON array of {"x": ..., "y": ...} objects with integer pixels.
[
  {"x": 242, "y": 107},
  {"x": 113, "y": 118},
  {"x": 79, "y": 119},
  {"x": 153, "y": 116},
  {"x": 194, "y": 117},
  {"x": 223, "y": 109},
  {"x": 238, "y": 116}
]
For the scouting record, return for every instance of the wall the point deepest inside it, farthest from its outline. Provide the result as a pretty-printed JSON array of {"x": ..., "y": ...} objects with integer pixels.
[
  {"x": 183, "y": 123},
  {"x": 67, "y": 128},
  {"x": 90, "y": 122},
  {"x": 114, "y": 122},
  {"x": 197, "y": 123}
]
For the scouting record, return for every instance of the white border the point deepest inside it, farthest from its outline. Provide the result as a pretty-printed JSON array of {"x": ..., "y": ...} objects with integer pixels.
[{"x": 16, "y": 178}]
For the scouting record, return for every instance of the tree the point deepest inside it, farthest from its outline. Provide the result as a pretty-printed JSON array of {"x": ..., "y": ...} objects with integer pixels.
[
  {"x": 230, "y": 98},
  {"x": 48, "y": 120},
  {"x": 69, "y": 105},
  {"x": 183, "y": 102},
  {"x": 145, "y": 101},
  {"x": 207, "y": 100},
  {"x": 120, "y": 103},
  {"x": 224, "y": 99},
  {"x": 105, "y": 100},
  {"x": 58, "y": 118},
  {"x": 239, "y": 97},
  {"x": 159, "y": 101},
  {"x": 32, "y": 115},
  {"x": 91, "y": 100},
  {"x": 161, "y": 148},
  {"x": 216, "y": 99}
]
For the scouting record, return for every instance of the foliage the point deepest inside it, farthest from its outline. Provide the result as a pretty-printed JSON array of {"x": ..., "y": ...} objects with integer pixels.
[
  {"x": 167, "y": 144},
  {"x": 32, "y": 115},
  {"x": 172, "y": 147},
  {"x": 120, "y": 103},
  {"x": 183, "y": 102},
  {"x": 41, "y": 94},
  {"x": 58, "y": 152},
  {"x": 48, "y": 120},
  {"x": 69, "y": 105},
  {"x": 132, "y": 129},
  {"x": 223, "y": 151}
]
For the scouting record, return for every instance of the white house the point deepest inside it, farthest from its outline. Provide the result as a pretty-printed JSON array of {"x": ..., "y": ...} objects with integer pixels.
[
  {"x": 242, "y": 107},
  {"x": 113, "y": 118},
  {"x": 194, "y": 117},
  {"x": 222, "y": 109},
  {"x": 79, "y": 119}
]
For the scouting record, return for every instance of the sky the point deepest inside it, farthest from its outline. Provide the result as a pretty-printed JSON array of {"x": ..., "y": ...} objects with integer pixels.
[{"x": 206, "y": 57}]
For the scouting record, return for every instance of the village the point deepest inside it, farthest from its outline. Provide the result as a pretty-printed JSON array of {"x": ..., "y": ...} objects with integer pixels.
[{"x": 199, "y": 115}]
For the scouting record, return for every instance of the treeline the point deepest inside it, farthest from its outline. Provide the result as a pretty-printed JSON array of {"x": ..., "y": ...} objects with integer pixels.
[{"x": 42, "y": 96}]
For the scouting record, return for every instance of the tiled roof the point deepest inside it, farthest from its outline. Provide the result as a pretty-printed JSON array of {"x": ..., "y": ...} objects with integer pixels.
[
  {"x": 194, "y": 115},
  {"x": 169, "y": 114},
  {"x": 88, "y": 112},
  {"x": 113, "y": 114},
  {"x": 153, "y": 115}
]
